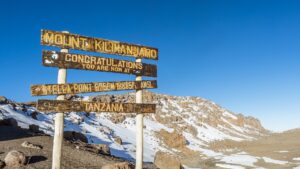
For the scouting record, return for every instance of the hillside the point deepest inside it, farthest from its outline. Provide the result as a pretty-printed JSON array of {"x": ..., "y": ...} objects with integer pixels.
[{"x": 190, "y": 127}]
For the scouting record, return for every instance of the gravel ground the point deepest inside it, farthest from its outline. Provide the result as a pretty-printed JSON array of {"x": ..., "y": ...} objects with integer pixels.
[{"x": 11, "y": 139}]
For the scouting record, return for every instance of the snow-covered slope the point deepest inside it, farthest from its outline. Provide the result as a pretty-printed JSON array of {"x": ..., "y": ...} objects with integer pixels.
[{"x": 182, "y": 125}]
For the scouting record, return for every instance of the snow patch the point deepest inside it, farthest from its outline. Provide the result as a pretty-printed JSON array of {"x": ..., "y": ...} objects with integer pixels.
[
  {"x": 240, "y": 159},
  {"x": 270, "y": 160},
  {"x": 230, "y": 166},
  {"x": 186, "y": 167},
  {"x": 296, "y": 159},
  {"x": 227, "y": 114}
]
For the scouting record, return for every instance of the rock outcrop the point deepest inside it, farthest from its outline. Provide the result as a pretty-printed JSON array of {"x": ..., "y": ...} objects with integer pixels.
[
  {"x": 75, "y": 136},
  {"x": 118, "y": 140},
  {"x": 3, "y": 100},
  {"x": 34, "y": 128},
  {"x": 172, "y": 140},
  {"x": 167, "y": 161},
  {"x": 103, "y": 149},
  {"x": 9, "y": 122}
]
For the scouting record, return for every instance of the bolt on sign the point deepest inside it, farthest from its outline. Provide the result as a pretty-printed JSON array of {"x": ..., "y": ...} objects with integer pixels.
[
  {"x": 73, "y": 41},
  {"x": 75, "y": 88},
  {"x": 94, "y": 63},
  {"x": 84, "y": 106}
]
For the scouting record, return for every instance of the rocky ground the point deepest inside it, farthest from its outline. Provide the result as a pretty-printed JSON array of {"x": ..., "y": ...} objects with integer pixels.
[
  {"x": 275, "y": 151},
  {"x": 12, "y": 138}
]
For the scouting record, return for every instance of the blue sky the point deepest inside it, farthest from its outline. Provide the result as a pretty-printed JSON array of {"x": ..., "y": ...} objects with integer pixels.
[{"x": 243, "y": 55}]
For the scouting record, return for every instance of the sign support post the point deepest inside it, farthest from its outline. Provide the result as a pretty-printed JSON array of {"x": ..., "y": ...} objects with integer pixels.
[
  {"x": 59, "y": 121},
  {"x": 139, "y": 126},
  {"x": 65, "y": 60}
]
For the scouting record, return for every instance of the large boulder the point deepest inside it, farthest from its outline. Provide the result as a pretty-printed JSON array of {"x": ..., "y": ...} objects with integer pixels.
[
  {"x": 122, "y": 165},
  {"x": 9, "y": 122},
  {"x": 167, "y": 161},
  {"x": 75, "y": 136},
  {"x": 15, "y": 159}
]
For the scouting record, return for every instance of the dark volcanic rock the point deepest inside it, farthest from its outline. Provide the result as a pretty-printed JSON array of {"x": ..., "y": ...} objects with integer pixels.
[
  {"x": 34, "y": 115},
  {"x": 9, "y": 122},
  {"x": 34, "y": 128},
  {"x": 75, "y": 136}
]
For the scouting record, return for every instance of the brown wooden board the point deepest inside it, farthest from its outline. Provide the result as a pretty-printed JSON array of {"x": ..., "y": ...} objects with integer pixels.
[
  {"x": 75, "y": 88},
  {"x": 85, "y": 106},
  {"x": 94, "y": 63},
  {"x": 74, "y": 41}
]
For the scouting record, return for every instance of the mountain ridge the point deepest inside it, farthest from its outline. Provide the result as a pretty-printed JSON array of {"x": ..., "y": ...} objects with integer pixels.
[{"x": 183, "y": 125}]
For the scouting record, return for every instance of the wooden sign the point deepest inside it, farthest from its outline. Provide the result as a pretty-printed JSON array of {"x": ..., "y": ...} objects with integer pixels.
[
  {"x": 94, "y": 63},
  {"x": 75, "y": 88},
  {"x": 84, "y": 106},
  {"x": 73, "y": 41}
]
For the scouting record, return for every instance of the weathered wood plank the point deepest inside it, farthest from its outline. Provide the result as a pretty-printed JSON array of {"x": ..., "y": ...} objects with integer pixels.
[
  {"x": 94, "y": 63},
  {"x": 85, "y": 106},
  {"x": 74, "y": 41},
  {"x": 75, "y": 88}
]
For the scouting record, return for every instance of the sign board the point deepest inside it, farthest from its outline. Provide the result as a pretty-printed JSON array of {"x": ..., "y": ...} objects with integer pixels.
[
  {"x": 94, "y": 63},
  {"x": 85, "y": 106},
  {"x": 64, "y": 60},
  {"x": 73, "y": 41},
  {"x": 75, "y": 88}
]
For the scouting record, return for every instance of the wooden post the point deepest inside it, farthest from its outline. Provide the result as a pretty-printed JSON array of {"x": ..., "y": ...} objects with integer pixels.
[
  {"x": 139, "y": 127},
  {"x": 59, "y": 121}
]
